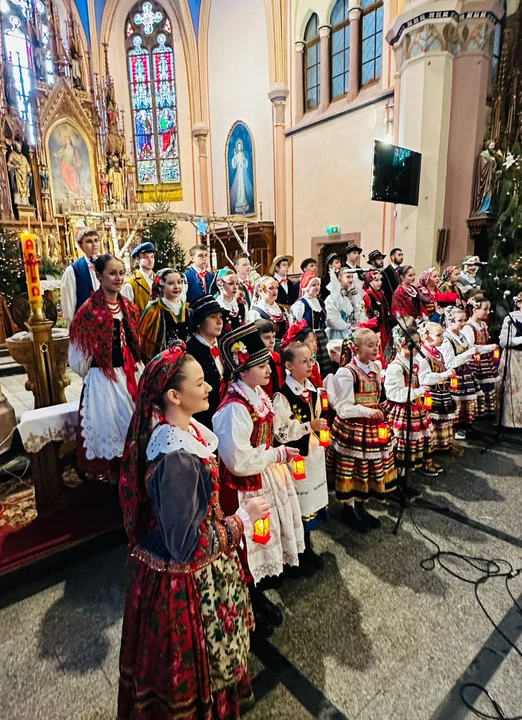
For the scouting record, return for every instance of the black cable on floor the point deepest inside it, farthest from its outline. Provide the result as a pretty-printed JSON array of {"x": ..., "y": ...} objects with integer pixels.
[{"x": 488, "y": 569}]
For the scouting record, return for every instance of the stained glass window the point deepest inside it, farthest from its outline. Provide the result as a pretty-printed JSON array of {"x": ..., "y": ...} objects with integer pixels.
[
  {"x": 371, "y": 41},
  {"x": 18, "y": 54},
  {"x": 340, "y": 49},
  {"x": 152, "y": 85},
  {"x": 312, "y": 68}
]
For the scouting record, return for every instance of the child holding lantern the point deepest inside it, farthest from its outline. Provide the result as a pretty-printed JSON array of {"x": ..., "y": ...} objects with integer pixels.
[
  {"x": 251, "y": 467},
  {"x": 360, "y": 457},
  {"x": 433, "y": 373},
  {"x": 298, "y": 424},
  {"x": 485, "y": 368}
]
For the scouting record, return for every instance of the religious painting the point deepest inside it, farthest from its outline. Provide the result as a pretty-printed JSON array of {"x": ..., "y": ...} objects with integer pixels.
[
  {"x": 72, "y": 174},
  {"x": 240, "y": 171}
]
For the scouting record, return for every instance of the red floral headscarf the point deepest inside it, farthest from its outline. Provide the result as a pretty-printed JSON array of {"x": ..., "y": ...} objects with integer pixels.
[
  {"x": 447, "y": 272},
  {"x": 369, "y": 277},
  {"x": 137, "y": 509},
  {"x": 424, "y": 277},
  {"x": 291, "y": 335}
]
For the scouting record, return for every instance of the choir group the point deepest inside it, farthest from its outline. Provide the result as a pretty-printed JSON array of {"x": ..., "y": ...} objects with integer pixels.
[{"x": 227, "y": 405}]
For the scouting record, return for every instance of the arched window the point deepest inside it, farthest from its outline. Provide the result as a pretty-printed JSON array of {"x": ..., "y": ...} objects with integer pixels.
[
  {"x": 497, "y": 45},
  {"x": 340, "y": 49},
  {"x": 153, "y": 94},
  {"x": 371, "y": 41},
  {"x": 312, "y": 63}
]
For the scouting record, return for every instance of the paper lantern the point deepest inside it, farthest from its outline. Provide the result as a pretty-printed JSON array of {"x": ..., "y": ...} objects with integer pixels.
[
  {"x": 299, "y": 470},
  {"x": 496, "y": 354},
  {"x": 324, "y": 437},
  {"x": 383, "y": 432},
  {"x": 454, "y": 383},
  {"x": 262, "y": 530},
  {"x": 428, "y": 401},
  {"x": 324, "y": 402}
]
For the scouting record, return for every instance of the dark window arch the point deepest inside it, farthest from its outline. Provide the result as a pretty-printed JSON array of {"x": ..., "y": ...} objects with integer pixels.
[{"x": 312, "y": 66}]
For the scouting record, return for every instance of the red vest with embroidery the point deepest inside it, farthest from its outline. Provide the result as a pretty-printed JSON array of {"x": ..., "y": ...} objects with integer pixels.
[{"x": 261, "y": 435}]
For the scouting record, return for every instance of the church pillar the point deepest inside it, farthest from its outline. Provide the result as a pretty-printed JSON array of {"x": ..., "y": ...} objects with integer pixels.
[
  {"x": 324, "y": 96},
  {"x": 355, "y": 34},
  {"x": 200, "y": 132},
  {"x": 299, "y": 80},
  {"x": 278, "y": 96}
]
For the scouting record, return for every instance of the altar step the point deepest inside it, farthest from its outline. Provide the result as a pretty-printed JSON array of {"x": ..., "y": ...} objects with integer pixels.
[{"x": 8, "y": 366}]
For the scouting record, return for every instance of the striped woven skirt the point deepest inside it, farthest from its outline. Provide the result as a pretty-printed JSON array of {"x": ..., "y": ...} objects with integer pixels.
[
  {"x": 486, "y": 374},
  {"x": 323, "y": 358},
  {"x": 418, "y": 439},
  {"x": 362, "y": 466},
  {"x": 467, "y": 395},
  {"x": 443, "y": 415}
]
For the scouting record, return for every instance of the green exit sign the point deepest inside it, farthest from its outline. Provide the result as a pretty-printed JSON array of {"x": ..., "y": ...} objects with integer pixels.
[{"x": 333, "y": 230}]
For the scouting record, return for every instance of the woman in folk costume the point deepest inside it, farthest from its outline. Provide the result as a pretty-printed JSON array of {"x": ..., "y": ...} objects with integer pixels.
[
  {"x": 297, "y": 422},
  {"x": 165, "y": 318},
  {"x": 434, "y": 374},
  {"x": 340, "y": 313},
  {"x": 406, "y": 305},
  {"x": 300, "y": 332},
  {"x": 187, "y": 617},
  {"x": 234, "y": 309},
  {"x": 510, "y": 368},
  {"x": 377, "y": 307},
  {"x": 485, "y": 369},
  {"x": 427, "y": 287},
  {"x": 105, "y": 351},
  {"x": 311, "y": 308},
  {"x": 449, "y": 293},
  {"x": 413, "y": 447},
  {"x": 264, "y": 306},
  {"x": 458, "y": 354},
  {"x": 360, "y": 462},
  {"x": 251, "y": 466}
]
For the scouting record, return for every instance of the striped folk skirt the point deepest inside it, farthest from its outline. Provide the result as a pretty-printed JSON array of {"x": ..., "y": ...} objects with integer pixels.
[
  {"x": 418, "y": 439},
  {"x": 486, "y": 372},
  {"x": 362, "y": 466},
  {"x": 467, "y": 395},
  {"x": 443, "y": 416}
]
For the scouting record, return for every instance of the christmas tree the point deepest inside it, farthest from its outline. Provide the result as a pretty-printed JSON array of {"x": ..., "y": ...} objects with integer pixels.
[
  {"x": 169, "y": 251},
  {"x": 12, "y": 272}
]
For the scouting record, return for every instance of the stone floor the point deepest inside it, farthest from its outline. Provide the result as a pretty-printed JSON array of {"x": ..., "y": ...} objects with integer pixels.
[
  {"x": 373, "y": 637},
  {"x": 13, "y": 387}
]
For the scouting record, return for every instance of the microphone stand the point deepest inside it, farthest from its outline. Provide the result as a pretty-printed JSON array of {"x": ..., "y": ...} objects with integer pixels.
[{"x": 403, "y": 480}]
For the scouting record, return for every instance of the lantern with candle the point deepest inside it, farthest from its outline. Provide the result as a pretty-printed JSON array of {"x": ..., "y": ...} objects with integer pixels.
[
  {"x": 324, "y": 437},
  {"x": 324, "y": 402},
  {"x": 383, "y": 432},
  {"x": 496, "y": 354},
  {"x": 32, "y": 274},
  {"x": 454, "y": 383},
  {"x": 299, "y": 471},
  {"x": 262, "y": 530},
  {"x": 476, "y": 357},
  {"x": 428, "y": 401}
]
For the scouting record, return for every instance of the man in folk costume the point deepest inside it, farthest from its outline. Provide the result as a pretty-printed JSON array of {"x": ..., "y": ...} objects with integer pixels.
[
  {"x": 376, "y": 259},
  {"x": 199, "y": 279},
  {"x": 352, "y": 256},
  {"x": 243, "y": 270},
  {"x": 139, "y": 286},
  {"x": 79, "y": 281},
  {"x": 206, "y": 324},
  {"x": 390, "y": 275},
  {"x": 288, "y": 291},
  {"x": 250, "y": 466}
]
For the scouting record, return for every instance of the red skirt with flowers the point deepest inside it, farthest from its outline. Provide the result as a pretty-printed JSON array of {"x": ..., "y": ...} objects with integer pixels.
[{"x": 185, "y": 642}]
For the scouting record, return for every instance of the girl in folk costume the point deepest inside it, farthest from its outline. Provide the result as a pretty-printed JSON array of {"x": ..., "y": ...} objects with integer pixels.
[
  {"x": 234, "y": 309},
  {"x": 458, "y": 354},
  {"x": 485, "y": 369},
  {"x": 414, "y": 443},
  {"x": 377, "y": 307},
  {"x": 340, "y": 313},
  {"x": 429, "y": 281},
  {"x": 434, "y": 374},
  {"x": 300, "y": 332},
  {"x": 406, "y": 305},
  {"x": 105, "y": 351},
  {"x": 251, "y": 467},
  {"x": 265, "y": 307},
  {"x": 187, "y": 617},
  {"x": 449, "y": 293},
  {"x": 311, "y": 308},
  {"x": 360, "y": 462},
  {"x": 297, "y": 421},
  {"x": 510, "y": 368},
  {"x": 165, "y": 318},
  {"x": 267, "y": 330}
]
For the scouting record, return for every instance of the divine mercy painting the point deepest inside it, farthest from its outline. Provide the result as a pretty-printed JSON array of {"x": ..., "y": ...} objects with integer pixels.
[
  {"x": 240, "y": 171},
  {"x": 72, "y": 183}
]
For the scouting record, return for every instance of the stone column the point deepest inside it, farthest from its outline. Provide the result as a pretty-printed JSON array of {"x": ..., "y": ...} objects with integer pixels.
[
  {"x": 200, "y": 132},
  {"x": 355, "y": 39},
  {"x": 278, "y": 96},
  {"x": 299, "y": 80},
  {"x": 324, "y": 96}
]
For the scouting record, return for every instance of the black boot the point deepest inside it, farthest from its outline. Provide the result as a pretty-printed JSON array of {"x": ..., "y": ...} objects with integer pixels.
[
  {"x": 315, "y": 559},
  {"x": 373, "y": 522},
  {"x": 271, "y": 582},
  {"x": 268, "y": 610},
  {"x": 293, "y": 572},
  {"x": 353, "y": 520},
  {"x": 306, "y": 567},
  {"x": 264, "y": 628}
]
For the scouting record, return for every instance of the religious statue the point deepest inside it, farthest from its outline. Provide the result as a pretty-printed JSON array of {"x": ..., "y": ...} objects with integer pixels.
[
  {"x": 485, "y": 179},
  {"x": 116, "y": 185},
  {"x": 76, "y": 70},
  {"x": 20, "y": 175},
  {"x": 40, "y": 61},
  {"x": 44, "y": 179},
  {"x": 10, "y": 90}
]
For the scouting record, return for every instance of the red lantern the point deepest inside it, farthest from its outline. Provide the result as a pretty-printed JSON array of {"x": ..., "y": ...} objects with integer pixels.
[
  {"x": 324, "y": 437},
  {"x": 476, "y": 357},
  {"x": 324, "y": 402},
  {"x": 454, "y": 383},
  {"x": 299, "y": 470},
  {"x": 496, "y": 354},
  {"x": 262, "y": 530},
  {"x": 428, "y": 401},
  {"x": 383, "y": 432}
]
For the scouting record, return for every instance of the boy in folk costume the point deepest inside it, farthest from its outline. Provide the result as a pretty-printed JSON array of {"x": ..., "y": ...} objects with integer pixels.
[
  {"x": 199, "y": 279},
  {"x": 288, "y": 291},
  {"x": 297, "y": 422},
  {"x": 476, "y": 333},
  {"x": 139, "y": 287},
  {"x": 267, "y": 330},
  {"x": 166, "y": 316},
  {"x": 79, "y": 280},
  {"x": 243, "y": 270},
  {"x": 250, "y": 466}
]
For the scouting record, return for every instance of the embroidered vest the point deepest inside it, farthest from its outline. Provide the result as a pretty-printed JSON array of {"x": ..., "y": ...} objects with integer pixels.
[
  {"x": 281, "y": 326},
  {"x": 314, "y": 319},
  {"x": 302, "y": 411},
  {"x": 141, "y": 290},
  {"x": 366, "y": 388},
  {"x": 261, "y": 435},
  {"x": 437, "y": 366},
  {"x": 481, "y": 336},
  {"x": 84, "y": 288}
]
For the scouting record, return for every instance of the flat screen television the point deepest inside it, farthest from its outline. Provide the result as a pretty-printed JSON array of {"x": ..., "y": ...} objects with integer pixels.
[{"x": 396, "y": 174}]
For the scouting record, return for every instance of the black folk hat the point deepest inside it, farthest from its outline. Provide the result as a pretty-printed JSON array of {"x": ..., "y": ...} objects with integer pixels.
[
  {"x": 243, "y": 348},
  {"x": 201, "y": 308}
]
